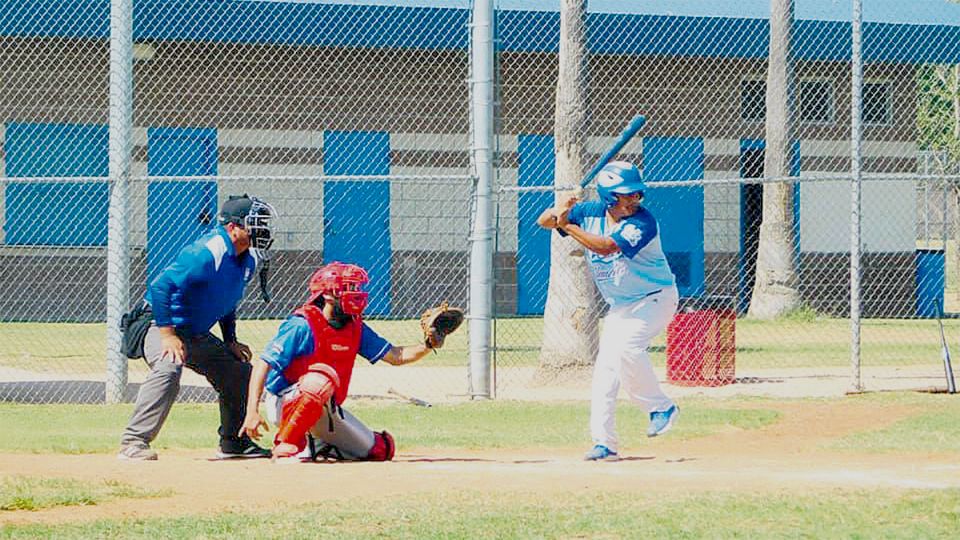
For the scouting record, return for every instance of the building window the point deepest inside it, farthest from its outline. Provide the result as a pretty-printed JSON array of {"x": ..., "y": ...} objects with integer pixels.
[
  {"x": 816, "y": 101},
  {"x": 753, "y": 96},
  {"x": 877, "y": 106}
]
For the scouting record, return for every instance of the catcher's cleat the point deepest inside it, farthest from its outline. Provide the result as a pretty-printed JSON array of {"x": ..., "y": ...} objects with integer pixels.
[
  {"x": 285, "y": 450},
  {"x": 601, "y": 453},
  {"x": 137, "y": 452},
  {"x": 662, "y": 421}
]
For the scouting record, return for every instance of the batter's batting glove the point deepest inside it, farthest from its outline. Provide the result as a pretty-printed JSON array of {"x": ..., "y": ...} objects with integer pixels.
[{"x": 439, "y": 322}]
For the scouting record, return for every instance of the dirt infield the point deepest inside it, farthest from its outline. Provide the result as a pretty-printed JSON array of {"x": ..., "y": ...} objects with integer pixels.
[{"x": 789, "y": 455}]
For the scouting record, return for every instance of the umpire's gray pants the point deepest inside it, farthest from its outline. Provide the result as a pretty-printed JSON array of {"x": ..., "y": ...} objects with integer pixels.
[{"x": 208, "y": 356}]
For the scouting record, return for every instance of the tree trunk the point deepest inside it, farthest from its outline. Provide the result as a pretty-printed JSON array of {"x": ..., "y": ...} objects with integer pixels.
[
  {"x": 954, "y": 220},
  {"x": 954, "y": 89},
  {"x": 950, "y": 168},
  {"x": 775, "y": 292},
  {"x": 570, "y": 321}
]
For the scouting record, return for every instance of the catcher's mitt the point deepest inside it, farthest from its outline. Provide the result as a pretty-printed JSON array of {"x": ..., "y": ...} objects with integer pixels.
[{"x": 438, "y": 322}]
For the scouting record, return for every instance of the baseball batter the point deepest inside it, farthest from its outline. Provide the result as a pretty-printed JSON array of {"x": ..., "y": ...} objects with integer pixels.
[
  {"x": 622, "y": 244},
  {"x": 306, "y": 371}
]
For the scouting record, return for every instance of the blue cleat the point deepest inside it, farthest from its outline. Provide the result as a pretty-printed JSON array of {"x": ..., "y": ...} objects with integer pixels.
[
  {"x": 601, "y": 453},
  {"x": 662, "y": 421}
]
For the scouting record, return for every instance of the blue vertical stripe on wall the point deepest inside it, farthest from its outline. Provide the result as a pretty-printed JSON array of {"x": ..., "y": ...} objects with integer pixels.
[
  {"x": 178, "y": 211},
  {"x": 679, "y": 210},
  {"x": 56, "y": 213},
  {"x": 356, "y": 220},
  {"x": 930, "y": 279},
  {"x": 537, "y": 166}
]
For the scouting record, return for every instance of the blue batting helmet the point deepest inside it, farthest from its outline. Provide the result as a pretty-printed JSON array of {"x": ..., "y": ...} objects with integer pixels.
[{"x": 618, "y": 178}]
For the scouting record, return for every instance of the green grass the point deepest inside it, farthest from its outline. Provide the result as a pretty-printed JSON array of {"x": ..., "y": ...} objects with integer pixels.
[
  {"x": 935, "y": 428},
  {"x": 575, "y": 514},
  {"x": 25, "y": 493},
  {"x": 81, "y": 348},
  {"x": 799, "y": 340},
  {"x": 79, "y": 429},
  {"x": 928, "y": 432},
  {"x": 796, "y": 341},
  {"x": 474, "y": 513},
  {"x": 82, "y": 429}
]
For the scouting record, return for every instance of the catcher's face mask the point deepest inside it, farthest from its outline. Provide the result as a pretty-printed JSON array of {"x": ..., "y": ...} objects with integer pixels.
[
  {"x": 344, "y": 282},
  {"x": 353, "y": 299}
]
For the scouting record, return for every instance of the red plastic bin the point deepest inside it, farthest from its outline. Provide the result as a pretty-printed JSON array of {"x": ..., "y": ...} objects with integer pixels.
[{"x": 701, "y": 347}]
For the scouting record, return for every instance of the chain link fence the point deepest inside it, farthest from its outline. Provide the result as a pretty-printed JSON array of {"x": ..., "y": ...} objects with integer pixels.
[
  {"x": 701, "y": 80},
  {"x": 353, "y": 119},
  {"x": 354, "y": 127}
]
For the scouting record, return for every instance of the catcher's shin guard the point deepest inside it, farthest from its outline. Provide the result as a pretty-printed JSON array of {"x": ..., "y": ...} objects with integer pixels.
[{"x": 301, "y": 413}]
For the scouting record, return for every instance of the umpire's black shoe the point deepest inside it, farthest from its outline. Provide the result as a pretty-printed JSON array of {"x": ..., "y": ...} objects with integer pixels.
[{"x": 242, "y": 449}]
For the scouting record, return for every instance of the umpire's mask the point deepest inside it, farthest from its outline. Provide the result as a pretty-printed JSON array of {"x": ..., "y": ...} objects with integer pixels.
[
  {"x": 257, "y": 223},
  {"x": 254, "y": 216}
]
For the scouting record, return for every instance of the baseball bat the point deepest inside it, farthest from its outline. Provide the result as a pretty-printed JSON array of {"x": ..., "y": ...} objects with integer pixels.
[
  {"x": 415, "y": 401},
  {"x": 632, "y": 128},
  {"x": 945, "y": 353}
]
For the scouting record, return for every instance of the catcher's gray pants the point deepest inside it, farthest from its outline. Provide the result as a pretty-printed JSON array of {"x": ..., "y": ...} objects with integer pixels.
[
  {"x": 350, "y": 439},
  {"x": 206, "y": 355}
]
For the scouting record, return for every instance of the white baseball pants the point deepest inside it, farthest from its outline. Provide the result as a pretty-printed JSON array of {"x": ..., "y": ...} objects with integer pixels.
[{"x": 627, "y": 332}]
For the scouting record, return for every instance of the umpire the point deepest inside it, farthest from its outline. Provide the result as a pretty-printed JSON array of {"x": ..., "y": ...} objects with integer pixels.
[{"x": 202, "y": 286}]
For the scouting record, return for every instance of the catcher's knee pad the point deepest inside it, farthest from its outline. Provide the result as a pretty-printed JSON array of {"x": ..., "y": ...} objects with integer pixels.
[
  {"x": 383, "y": 447},
  {"x": 303, "y": 411}
]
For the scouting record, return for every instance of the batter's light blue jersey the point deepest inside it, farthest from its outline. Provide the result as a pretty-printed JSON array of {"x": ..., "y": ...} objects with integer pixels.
[{"x": 639, "y": 268}]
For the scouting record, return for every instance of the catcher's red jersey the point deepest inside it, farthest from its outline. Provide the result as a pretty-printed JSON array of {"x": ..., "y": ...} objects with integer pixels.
[{"x": 336, "y": 348}]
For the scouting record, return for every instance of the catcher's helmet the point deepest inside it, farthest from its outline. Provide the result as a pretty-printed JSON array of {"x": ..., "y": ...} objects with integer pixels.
[
  {"x": 618, "y": 178},
  {"x": 343, "y": 281},
  {"x": 252, "y": 214}
]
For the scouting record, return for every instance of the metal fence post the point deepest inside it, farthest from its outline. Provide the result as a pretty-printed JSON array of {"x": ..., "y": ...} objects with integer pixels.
[
  {"x": 118, "y": 260},
  {"x": 481, "y": 253},
  {"x": 856, "y": 112}
]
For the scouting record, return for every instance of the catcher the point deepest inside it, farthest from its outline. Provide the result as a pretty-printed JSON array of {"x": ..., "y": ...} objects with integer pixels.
[{"x": 306, "y": 370}]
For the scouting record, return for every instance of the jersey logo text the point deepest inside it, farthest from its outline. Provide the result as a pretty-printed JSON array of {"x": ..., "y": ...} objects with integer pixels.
[{"x": 632, "y": 234}]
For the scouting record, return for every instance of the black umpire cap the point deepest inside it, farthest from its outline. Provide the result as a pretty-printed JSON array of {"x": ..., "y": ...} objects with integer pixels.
[{"x": 235, "y": 209}]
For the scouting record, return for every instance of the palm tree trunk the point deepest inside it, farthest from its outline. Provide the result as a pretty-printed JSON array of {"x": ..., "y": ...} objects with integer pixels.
[
  {"x": 776, "y": 289},
  {"x": 570, "y": 333}
]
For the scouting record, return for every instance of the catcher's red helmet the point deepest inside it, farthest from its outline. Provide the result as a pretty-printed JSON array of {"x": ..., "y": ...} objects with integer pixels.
[{"x": 343, "y": 281}]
